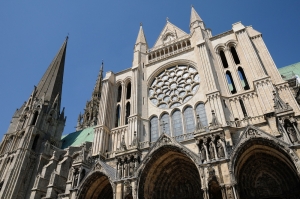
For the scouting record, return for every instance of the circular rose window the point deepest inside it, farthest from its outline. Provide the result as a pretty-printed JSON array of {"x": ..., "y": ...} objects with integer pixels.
[{"x": 174, "y": 86}]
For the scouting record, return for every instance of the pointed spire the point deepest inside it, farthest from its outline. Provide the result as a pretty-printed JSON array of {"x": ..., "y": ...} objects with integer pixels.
[
  {"x": 194, "y": 16},
  {"x": 51, "y": 83},
  {"x": 141, "y": 36},
  {"x": 98, "y": 85}
]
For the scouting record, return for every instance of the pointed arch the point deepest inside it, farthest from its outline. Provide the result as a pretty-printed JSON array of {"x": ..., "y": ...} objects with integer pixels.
[
  {"x": 128, "y": 94},
  {"x": 118, "y": 116},
  {"x": 119, "y": 93},
  {"x": 234, "y": 55},
  {"x": 230, "y": 82},
  {"x": 95, "y": 185},
  {"x": 154, "y": 182},
  {"x": 243, "y": 78},
  {"x": 223, "y": 59},
  {"x": 127, "y": 112},
  {"x": 264, "y": 169}
]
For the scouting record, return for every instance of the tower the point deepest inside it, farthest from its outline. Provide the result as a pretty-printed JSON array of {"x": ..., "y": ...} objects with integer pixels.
[
  {"x": 38, "y": 121},
  {"x": 90, "y": 116}
]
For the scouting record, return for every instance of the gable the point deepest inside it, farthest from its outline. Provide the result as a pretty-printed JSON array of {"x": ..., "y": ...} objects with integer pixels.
[{"x": 169, "y": 33}]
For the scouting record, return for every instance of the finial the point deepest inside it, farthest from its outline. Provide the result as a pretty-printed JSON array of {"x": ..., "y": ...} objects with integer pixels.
[
  {"x": 167, "y": 19},
  {"x": 192, "y": 6},
  {"x": 67, "y": 37},
  {"x": 141, "y": 24}
]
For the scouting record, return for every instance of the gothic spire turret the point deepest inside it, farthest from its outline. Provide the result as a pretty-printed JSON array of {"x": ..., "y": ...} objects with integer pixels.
[
  {"x": 98, "y": 85},
  {"x": 51, "y": 83},
  {"x": 141, "y": 36},
  {"x": 194, "y": 16}
]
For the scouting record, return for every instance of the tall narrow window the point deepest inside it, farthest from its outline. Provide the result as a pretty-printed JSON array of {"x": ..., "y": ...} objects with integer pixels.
[
  {"x": 128, "y": 94},
  {"x": 165, "y": 124},
  {"x": 127, "y": 112},
  {"x": 223, "y": 58},
  {"x": 230, "y": 82},
  {"x": 153, "y": 129},
  {"x": 35, "y": 142},
  {"x": 119, "y": 93},
  {"x": 243, "y": 78},
  {"x": 177, "y": 124},
  {"x": 118, "y": 114},
  {"x": 243, "y": 107},
  {"x": 189, "y": 119},
  {"x": 35, "y": 116},
  {"x": 235, "y": 55},
  {"x": 200, "y": 110}
]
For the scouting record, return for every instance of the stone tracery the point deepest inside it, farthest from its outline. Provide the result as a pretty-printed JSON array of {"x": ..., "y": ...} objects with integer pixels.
[{"x": 174, "y": 86}]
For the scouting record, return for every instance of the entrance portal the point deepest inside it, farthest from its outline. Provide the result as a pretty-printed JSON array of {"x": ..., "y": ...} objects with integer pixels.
[
  {"x": 96, "y": 186},
  {"x": 170, "y": 174},
  {"x": 264, "y": 172}
]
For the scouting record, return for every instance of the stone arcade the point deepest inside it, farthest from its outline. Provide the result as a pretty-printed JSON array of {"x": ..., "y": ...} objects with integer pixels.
[{"x": 196, "y": 116}]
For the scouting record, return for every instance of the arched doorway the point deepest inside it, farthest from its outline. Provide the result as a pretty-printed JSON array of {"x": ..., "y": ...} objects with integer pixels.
[
  {"x": 170, "y": 174},
  {"x": 264, "y": 171},
  {"x": 96, "y": 186}
]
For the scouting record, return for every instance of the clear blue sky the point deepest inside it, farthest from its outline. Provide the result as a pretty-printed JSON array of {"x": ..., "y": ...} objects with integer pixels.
[{"x": 31, "y": 33}]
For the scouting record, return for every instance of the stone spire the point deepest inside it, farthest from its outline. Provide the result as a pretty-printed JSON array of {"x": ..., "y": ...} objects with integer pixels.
[
  {"x": 98, "y": 85},
  {"x": 194, "y": 16},
  {"x": 51, "y": 83},
  {"x": 141, "y": 36}
]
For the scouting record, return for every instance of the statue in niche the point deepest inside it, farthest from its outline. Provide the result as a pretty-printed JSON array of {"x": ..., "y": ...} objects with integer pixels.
[
  {"x": 120, "y": 170},
  {"x": 211, "y": 151},
  {"x": 131, "y": 168},
  {"x": 202, "y": 153},
  {"x": 220, "y": 149},
  {"x": 292, "y": 133},
  {"x": 76, "y": 173},
  {"x": 125, "y": 169}
]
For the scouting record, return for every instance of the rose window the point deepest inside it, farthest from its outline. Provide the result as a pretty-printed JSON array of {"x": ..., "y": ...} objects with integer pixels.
[{"x": 174, "y": 86}]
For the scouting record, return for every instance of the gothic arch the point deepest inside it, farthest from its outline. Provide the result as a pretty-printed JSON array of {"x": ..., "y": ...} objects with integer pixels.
[
  {"x": 166, "y": 162},
  {"x": 96, "y": 185},
  {"x": 263, "y": 168}
]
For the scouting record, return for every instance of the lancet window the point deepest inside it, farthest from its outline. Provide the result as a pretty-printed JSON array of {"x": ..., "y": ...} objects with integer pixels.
[
  {"x": 177, "y": 124},
  {"x": 243, "y": 78},
  {"x": 189, "y": 119},
  {"x": 127, "y": 112},
  {"x": 200, "y": 110},
  {"x": 223, "y": 59},
  {"x": 234, "y": 55},
  {"x": 165, "y": 123},
  {"x": 118, "y": 116},
  {"x": 153, "y": 129},
  {"x": 230, "y": 82}
]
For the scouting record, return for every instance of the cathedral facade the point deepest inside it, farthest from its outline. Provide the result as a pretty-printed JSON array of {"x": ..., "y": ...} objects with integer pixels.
[{"x": 196, "y": 116}]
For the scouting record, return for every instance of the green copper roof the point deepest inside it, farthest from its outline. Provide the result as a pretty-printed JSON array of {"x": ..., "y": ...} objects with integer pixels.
[
  {"x": 288, "y": 72},
  {"x": 78, "y": 138}
]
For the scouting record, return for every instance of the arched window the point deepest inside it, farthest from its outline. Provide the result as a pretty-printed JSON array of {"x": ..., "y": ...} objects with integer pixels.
[
  {"x": 230, "y": 82},
  {"x": 127, "y": 112},
  {"x": 153, "y": 129},
  {"x": 200, "y": 110},
  {"x": 35, "y": 141},
  {"x": 243, "y": 107},
  {"x": 119, "y": 93},
  {"x": 177, "y": 124},
  {"x": 128, "y": 94},
  {"x": 165, "y": 124},
  {"x": 223, "y": 58},
  {"x": 118, "y": 114},
  {"x": 35, "y": 116},
  {"x": 235, "y": 55},
  {"x": 189, "y": 119},
  {"x": 243, "y": 78}
]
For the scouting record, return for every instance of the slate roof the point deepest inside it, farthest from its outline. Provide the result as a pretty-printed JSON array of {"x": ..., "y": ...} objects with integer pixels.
[{"x": 78, "y": 138}]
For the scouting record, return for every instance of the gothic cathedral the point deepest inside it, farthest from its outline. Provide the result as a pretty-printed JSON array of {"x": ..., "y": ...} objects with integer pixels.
[{"x": 196, "y": 116}]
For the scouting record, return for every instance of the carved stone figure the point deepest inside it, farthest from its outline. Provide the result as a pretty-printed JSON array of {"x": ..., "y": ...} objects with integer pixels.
[
  {"x": 220, "y": 149},
  {"x": 292, "y": 133},
  {"x": 211, "y": 151},
  {"x": 202, "y": 153}
]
